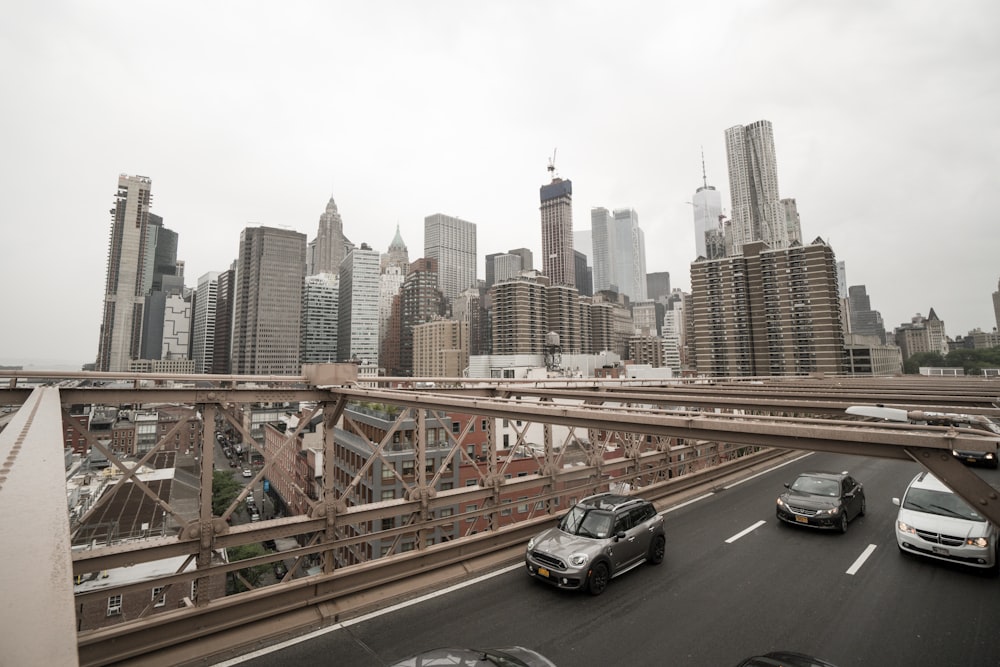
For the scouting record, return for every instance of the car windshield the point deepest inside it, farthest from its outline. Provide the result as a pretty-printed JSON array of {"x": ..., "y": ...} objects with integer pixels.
[
  {"x": 939, "y": 502},
  {"x": 588, "y": 522},
  {"x": 816, "y": 486}
]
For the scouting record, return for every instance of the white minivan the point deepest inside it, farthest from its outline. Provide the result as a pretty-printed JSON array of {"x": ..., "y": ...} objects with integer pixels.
[{"x": 936, "y": 522}]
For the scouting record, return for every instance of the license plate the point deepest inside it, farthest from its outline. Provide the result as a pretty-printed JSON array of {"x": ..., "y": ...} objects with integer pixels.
[
  {"x": 802, "y": 519},
  {"x": 940, "y": 550},
  {"x": 970, "y": 459},
  {"x": 543, "y": 572}
]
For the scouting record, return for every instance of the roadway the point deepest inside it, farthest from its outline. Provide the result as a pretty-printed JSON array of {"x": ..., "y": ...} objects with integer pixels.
[{"x": 734, "y": 583}]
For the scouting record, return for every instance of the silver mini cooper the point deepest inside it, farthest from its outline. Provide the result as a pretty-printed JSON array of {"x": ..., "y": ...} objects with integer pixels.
[{"x": 599, "y": 538}]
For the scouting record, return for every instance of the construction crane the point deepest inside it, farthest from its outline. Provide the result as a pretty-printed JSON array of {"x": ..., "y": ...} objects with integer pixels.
[{"x": 552, "y": 163}]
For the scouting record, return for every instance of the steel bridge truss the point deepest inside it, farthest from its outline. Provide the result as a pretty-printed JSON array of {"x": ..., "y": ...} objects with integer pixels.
[{"x": 661, "y": 438}]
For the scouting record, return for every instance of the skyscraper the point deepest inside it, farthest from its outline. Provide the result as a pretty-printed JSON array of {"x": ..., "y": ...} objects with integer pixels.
[
  {"x": 501, "y": 266},
  {"x": 707, "y": 203},
  {"x": 130, "y": 274},
  {"x": 320, "y": 306},
  {"x": 629, "y": 258},
  {"x": 420, "y": 301},
  {"x": 864, "y": 320},
  {"x": 203, "y": 326},
  {"x": 329, "y": 251},
  {"x": 452, "y": 242},
  {"x": 558, "y": 262},
  {"x": 268, "y": 305},
  {"x": 619, "y": 261},
  {"x": 757, "y": 211},
  {"x": 357, "y": 319},
  {"x": 602, "y": 237}
]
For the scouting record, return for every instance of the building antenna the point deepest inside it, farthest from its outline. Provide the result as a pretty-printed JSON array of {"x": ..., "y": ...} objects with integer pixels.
[
  {"x": 552, "y": 163},
  {"x": 704, "y": 178}
]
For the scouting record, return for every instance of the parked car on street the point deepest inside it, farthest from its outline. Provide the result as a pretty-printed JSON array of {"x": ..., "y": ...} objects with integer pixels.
[
  {"x": 935, "y": 522},
  {"x": 822, "y": 500},
  {"x": 247, "y": 473},
  {"x": 599, "y": 538}
]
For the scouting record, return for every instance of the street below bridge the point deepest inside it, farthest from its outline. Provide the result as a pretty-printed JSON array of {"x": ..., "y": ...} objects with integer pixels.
[{"x": 735, "y": 583}]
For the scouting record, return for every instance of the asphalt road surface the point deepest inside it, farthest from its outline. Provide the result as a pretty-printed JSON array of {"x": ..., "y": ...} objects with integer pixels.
[{"x": 735, "y": 582}]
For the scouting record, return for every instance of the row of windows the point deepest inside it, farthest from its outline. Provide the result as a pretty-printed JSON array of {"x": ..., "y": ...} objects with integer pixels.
[{"x": 158, "y": 597}]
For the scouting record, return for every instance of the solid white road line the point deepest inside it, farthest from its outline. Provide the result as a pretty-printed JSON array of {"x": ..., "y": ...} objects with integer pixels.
[
  {"x": 861, "y": 559},
  {"x": 362, "y": 619},
  {"x": 745, "y": 532}
]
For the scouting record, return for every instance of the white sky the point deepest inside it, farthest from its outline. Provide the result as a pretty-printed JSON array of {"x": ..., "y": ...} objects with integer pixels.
[{"x": 886, "y": 118}]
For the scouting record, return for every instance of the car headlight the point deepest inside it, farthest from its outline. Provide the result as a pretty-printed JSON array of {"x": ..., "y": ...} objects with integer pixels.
[
  {"x": 904, "y": 527},
  {"x": 531, "y": 543},
  {"x": 980, "y": 542},
  {"x": 990, "y": 456},
  {"x": 833, "y": 511},
  {"x": 780, "y": 503},
  {"x": 578, "y": 559}
]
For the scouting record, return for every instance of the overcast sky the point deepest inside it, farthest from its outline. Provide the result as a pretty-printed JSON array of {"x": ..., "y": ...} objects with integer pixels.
[{"x": 886, "y": 120}]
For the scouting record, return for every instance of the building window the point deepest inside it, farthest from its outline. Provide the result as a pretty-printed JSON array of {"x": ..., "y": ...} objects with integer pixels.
[
  {"x": 455, "y": 427},
  {"x": 506, "y": 510},
  {"x": 470, "y": 482},
  {"x": 159, "y": 598},
  {"x": 484, "y": 425},
  {"x": 408, "y": 468},
  {"x": 388, "y": 524},
  {"x": 114, "y": 605},
  {"x": 194, "y": 590},
  {"x": 388, "y": 494},
  {"x": 506, "y": 441},
  {"x": 522, "y": 505},
  {"x": 471, "y": 508},
  {"x": 387, "y": 472}
]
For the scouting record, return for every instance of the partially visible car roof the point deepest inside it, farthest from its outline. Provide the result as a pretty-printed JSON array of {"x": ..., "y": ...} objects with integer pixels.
[
  {"x": 785, "y": 659},
  {"x": 825, "y": 474},
  {"x": 471, "y": 657},
  {"x": 609, "y": 501}
]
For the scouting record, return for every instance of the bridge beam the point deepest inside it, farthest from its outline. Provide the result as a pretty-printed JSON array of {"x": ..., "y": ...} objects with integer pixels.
[{"x": 35, "y": 527}]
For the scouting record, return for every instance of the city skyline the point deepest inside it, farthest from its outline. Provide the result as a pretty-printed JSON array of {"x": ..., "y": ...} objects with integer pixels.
[{"x": 459, "y": 109}]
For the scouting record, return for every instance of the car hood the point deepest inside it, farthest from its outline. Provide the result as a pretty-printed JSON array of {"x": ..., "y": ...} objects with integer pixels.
[
  {"x": 809, "y": 500},
  {"x": 560, "y": 543},
  {"x": 946, "y": 525}
]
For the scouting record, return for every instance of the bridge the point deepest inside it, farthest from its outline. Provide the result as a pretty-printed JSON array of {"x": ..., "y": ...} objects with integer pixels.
[{"x": 570, "y": 438}]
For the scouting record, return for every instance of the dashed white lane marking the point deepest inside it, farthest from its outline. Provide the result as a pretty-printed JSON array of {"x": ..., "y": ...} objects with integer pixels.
[
  {"x": 861, "y": 559},
  {"x": 745, "y": 532}
]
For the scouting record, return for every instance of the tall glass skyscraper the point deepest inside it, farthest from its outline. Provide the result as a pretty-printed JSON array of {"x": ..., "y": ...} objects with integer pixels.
[
  {"x": 268, "y": 305},
  {"x": 452, "y": 242}
]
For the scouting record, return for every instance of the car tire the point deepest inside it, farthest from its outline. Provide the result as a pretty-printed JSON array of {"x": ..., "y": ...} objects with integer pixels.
[
  {"x": 657, "y": 550},
  {"x": 842, "y": 527},
  {"x": 861, "y": 512},
  {"x": 598, "y": 579}
]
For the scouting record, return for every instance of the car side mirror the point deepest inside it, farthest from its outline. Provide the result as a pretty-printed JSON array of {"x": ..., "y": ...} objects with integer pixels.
[
  {"x": 620, "y": 535},
  {"x": 788, "y": 485},
  {"x": 895, "y": 501}
]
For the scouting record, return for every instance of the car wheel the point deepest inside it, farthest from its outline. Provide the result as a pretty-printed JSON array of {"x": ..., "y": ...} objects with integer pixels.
[
  {"x": 598, "y": 579},
  {"x": 657, "y": 549},
  {"x": 843, "y": 522},
  {"x": 861, "y": 512}
]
